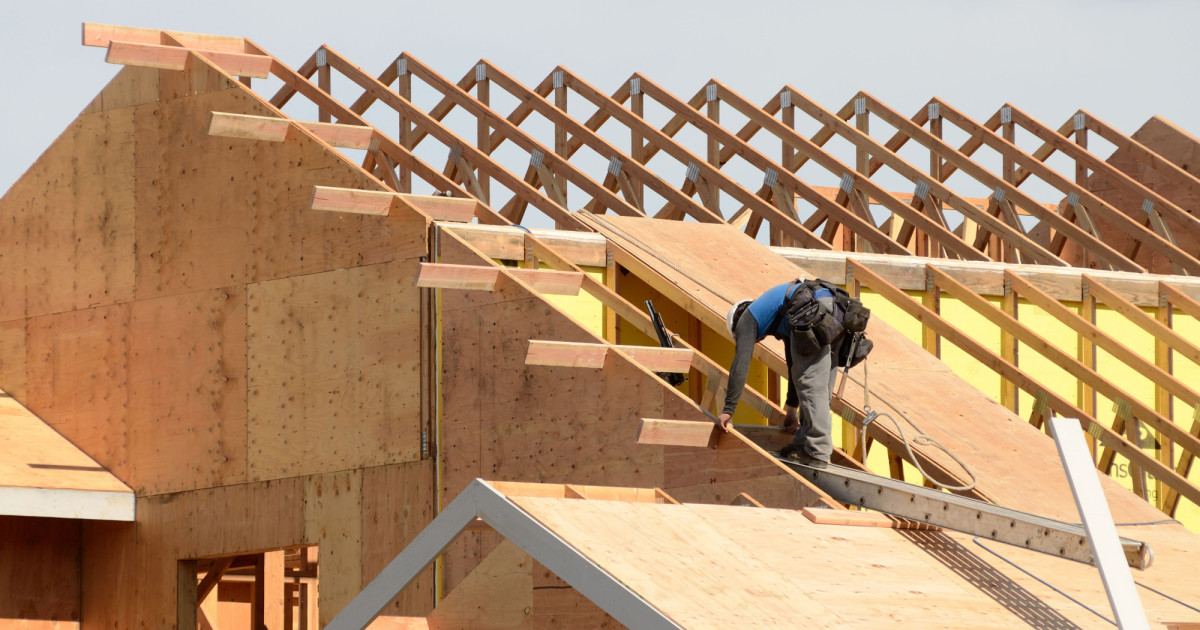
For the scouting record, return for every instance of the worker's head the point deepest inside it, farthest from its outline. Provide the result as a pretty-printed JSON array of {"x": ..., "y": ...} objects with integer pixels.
[{"x": 735, "y": 312}]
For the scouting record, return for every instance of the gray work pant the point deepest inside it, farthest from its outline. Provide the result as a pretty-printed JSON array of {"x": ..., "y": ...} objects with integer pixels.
[{"x": 814, "y": 375}]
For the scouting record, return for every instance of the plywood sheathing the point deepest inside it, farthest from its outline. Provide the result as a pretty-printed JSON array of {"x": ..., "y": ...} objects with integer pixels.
[
  {"x": 360, "y": 519},
  {"x": 332, "y": 371},
  {"x": 45, "y": 592},
  {"x": 709, "y": 566},
  {"x": 512, "y": 422},
  {"x": 33, "y": 455},
  {"x": 1016, "y": 464}
]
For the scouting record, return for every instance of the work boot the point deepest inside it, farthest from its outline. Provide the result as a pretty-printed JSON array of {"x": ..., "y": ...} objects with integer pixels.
[{"x": 796, "y": 454}]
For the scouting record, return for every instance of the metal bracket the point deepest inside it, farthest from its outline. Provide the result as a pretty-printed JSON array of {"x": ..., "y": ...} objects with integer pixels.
[
  {"x": 1080, "y": 121},
  {"x": 785, "y": 98},
  {"x": 1148, "y": 206},
  {"x": 935, "y": 112},
  {"x": 1007, "y": 286},
  {"x": 481, "y": 72},
  {"x": 998, "y": 194},
  {"x": 1006, "y": 115},
  {"x": 869, "y": 418},
  {"x": 770, "y": 178},
  {"x": 614, "y": 166},
  {"x": 1041, "y": 402},
  {"x": 1123, "y": 408},
  {"x": 1094, "y": 430},
  {"x": 693, "y": 172},
  {"x": 635, "y": 86},
  {"x": 847, "y": 183},
  {"x": 321, "y": 60},
  {"x": 401, "y": 66},
  {"x": 373, "y": 145},
  {"x": 922, "y": 189},
  {"x": 455, "y": 153},
  {"x": 556, "y": 79},
  {"x": 1072, "y": 199},
  {"x": 710, "y": 92},
  {"x": 860, "y": 106},
  {"x": 535, "y": 158}
]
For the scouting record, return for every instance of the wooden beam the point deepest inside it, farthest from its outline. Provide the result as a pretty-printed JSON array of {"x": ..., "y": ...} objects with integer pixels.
[
  {"x": 270, "y": 129},
  {"x": 857, "y": 518},
  {"x": 594, "y": 355},
  {"x": 101, "y": 35},
  {"x": 549, "y": 282},
  {"x": 375, "y": 202},
  {"x": 660, "y": 432},
  {"x": 466, "y": 277},
  {"x": 175, "y": 58},
  {"x": 1020, "y": 378}
]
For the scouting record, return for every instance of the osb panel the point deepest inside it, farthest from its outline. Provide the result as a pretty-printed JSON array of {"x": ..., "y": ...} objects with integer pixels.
[
  {"x": 187, "y": 391},
  {"x": 12, "y": 358},
  {"x": 333, "y": 380},
  {"x": 218, "y": 211},
  {"x": 77, "y": 380},
  {"x": 68, "y": 222},
  {"x": 397, "y": 504},
  {"x": 333, "y": 519},
  {"x": 133, "y": 85},
  {"x": 39, "y": 583}
]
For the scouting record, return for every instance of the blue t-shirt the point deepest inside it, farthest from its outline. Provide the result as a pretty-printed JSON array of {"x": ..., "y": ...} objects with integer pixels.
[{"x": 766, "y": 308}]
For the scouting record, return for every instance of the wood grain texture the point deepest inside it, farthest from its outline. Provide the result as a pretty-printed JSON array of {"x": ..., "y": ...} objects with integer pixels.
[
  {"x": 1016, "y": 463},
  {"x": 333, "y": 520},
  {"x": 12, "y": 358},
  {"x": 44, "y": 592},
  {"x": 497, "y": 595},
  {"x": 187, "y": 391},
  {"x": 397, "y": 504},
  {"x": 333, "y": 361},
  {"x": 79, "y": 362},
  {"x": 68, "y": 222}
]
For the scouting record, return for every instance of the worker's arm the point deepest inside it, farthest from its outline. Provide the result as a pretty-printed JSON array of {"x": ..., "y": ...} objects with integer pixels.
[{"x": 745, "y": 335}]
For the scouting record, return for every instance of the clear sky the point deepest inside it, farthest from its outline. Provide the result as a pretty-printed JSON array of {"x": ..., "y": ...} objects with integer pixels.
[{"x": 1120, "y": 59}]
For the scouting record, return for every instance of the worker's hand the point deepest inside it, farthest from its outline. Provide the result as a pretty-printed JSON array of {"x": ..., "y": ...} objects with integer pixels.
[
  {"x": 791, "y": 420},
  {"x": 725, "y": 421}
]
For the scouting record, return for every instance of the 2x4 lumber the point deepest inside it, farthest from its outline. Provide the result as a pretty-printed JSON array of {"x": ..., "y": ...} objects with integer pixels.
[
  {"x": 1152, "y": 238},
  {"x": 482, "y": 113},
  {"x": 101, "y": 35},
  {"x": 1087, "y": 159},
  {"x": 1141, "y": 152},
  {"x": 858, "y": 518},
  {"x": 578, "y": 130},
  {"x": 478, "y": 278},
  {"x": 706, "y": 170},
  {"x": 175, "y": 58},
  {"x": 594, "y": 355},
  {"x": 475, "y": 156},
  {"x": 356, "y": 201},
  {"x": 947, "y": 153},
  {"x": 1021, "y": 379},
  {"x": 763, "y": 116},
  {"x": 663, "y": 432},
  {"x": 297, "y": 83},
  {"x": 1062, "y": 359},
  {"x": 276, "y": 129}
]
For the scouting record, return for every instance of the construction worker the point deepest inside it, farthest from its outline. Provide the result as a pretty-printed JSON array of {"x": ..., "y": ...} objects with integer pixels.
[{"x": 811, "y": 370}]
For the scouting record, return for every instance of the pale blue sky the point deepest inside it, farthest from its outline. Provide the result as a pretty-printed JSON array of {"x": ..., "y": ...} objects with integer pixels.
[{"x": 1122, "y": 60}]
